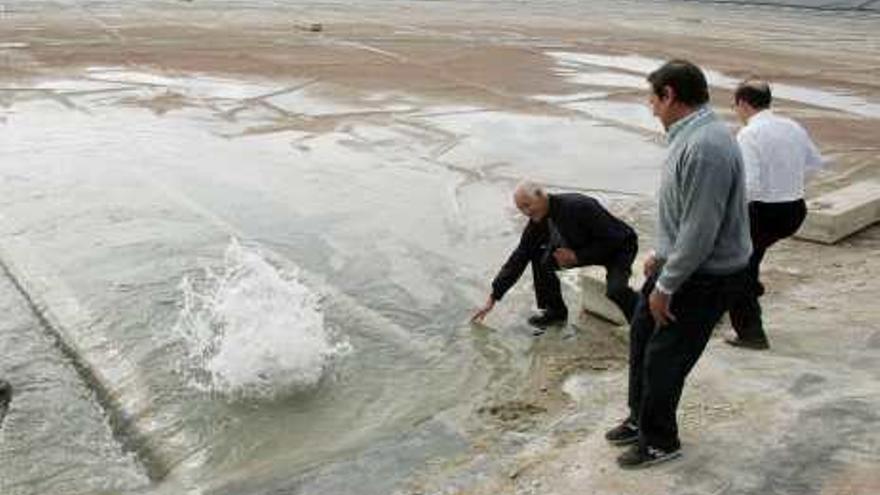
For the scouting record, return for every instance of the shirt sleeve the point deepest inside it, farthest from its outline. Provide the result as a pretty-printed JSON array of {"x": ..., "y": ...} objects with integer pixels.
[
  {"x": 516, "y": 263},
  {"x": 704, "y": 179},
  {"x": 751, "y": 154},
  {"x": 813, "y": 162}
]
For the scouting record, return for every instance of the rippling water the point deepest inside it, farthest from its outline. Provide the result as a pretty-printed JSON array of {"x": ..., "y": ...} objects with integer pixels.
[{"x": 335, "y": 323}]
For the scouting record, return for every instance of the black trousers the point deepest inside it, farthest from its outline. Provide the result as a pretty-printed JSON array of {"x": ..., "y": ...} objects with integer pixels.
[
  {"x": 548, "y": 293},
  {"x": 770, "y": 222},
  {"x": 660, "y": 359}
]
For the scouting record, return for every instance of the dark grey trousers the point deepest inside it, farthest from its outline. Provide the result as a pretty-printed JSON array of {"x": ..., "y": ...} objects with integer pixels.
[{"x": 660, "y": 359}]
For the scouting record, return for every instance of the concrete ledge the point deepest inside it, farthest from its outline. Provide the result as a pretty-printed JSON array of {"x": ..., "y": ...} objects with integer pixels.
[
  {"x": 591, "y": 282},
  {"x": 840, "y": 213}
]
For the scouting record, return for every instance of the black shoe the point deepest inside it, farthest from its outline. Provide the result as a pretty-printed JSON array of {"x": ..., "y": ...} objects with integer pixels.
[
  {"x": 547, "y": 319},
  {"x": 5, "y": 398},
  {"x": 637, "y": 458},
  {"x": 5, "y": 393},
  {"x": 755, "y": 344},
  {"x": 625, "y": 433}
]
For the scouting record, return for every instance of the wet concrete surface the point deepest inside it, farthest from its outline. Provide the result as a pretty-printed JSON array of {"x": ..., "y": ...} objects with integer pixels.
[
  {"x": 55, "y": 437},
  {"x": 797, "y": 419}
]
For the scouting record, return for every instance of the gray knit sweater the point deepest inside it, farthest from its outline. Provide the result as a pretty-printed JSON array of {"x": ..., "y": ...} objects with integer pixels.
[{"x": 703, "y": 223}]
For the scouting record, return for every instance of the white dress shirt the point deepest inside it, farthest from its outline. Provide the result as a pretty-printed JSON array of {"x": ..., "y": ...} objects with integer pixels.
[{"x": 778, "y": 155}]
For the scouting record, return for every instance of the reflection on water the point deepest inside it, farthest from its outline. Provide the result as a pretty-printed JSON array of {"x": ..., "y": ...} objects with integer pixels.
[
  {"x": 581, "y": 70},
  {"x": 380, "y": 233},
  {"x": 345, "y": 331},
  {"x": 635, "y": 114},
  {"x": 573, "y": 153},
  {"x": 609, "y": 79},
  {"x": 107, "y": 211}
]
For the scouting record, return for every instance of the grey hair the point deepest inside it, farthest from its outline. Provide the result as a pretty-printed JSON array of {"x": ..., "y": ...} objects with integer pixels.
[{"x": 529, "y": 188}]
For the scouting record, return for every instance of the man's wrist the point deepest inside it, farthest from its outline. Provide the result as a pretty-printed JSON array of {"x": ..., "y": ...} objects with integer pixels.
[{"x": 663, "y": 289}]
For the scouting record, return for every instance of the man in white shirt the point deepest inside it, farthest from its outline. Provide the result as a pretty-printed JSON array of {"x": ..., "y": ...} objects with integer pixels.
[{"x": 779, "y": 156}]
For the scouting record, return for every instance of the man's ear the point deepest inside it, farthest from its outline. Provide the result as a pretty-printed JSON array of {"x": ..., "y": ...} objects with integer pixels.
[{"x": 669, "y": 92}]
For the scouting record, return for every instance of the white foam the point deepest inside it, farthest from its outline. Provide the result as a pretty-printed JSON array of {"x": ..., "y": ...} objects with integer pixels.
[{"x": 252, "y": 332}]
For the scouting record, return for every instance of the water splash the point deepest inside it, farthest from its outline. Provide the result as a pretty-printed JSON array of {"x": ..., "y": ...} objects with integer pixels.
[{"x": 251, "y": 331}]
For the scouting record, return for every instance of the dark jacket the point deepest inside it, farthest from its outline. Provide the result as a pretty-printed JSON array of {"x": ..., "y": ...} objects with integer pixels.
[{"x": 575, "y": 221}]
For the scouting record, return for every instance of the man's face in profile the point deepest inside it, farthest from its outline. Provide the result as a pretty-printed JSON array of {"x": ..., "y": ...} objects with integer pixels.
[{"x": 533, "y": 206}]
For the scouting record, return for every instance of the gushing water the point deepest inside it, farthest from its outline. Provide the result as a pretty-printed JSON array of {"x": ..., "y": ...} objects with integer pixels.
[{"x": 251, "y": 331}]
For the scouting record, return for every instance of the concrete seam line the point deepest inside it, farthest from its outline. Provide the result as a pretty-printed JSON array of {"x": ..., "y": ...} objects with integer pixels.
[{"x": 123, "y": 428}]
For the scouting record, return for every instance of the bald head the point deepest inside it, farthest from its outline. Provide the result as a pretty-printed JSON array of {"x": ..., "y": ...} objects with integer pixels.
[{"x": 531, "y": 200}]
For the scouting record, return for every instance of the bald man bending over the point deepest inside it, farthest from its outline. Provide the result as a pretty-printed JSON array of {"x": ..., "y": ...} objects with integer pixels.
[{"x": 565, "y": 231}]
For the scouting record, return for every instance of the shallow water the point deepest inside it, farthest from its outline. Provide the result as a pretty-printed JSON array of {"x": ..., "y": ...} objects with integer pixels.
[
  {"x": 55, "y": 437},
  {"x": 834, "y": 99},
  {"x": 175, "y": 245},
  {"x": 261, "y": 296}
]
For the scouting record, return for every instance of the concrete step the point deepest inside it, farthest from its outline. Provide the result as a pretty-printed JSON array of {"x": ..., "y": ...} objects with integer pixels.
[
  {"x": 591, "y": 284},
  {"x": 841, "y": 213}
]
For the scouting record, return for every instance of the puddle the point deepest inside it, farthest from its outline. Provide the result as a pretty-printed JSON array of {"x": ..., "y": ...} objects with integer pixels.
[
  {"x": 632, "y": 63},
  {"x": 830, "y": 98},
  {"x": 567, "y": 153},
  {"x": 192, "y": 85},
  {"x": 77, "y": 85},
  {"x": 825, "y": 99},
  {"x": 400, "y": 216},
  {"x": 591, "y": 95},
  {"x": 610, "y": 79},
  {"x": 635, "y": 114},
  {"x": 307, "y": 102}
]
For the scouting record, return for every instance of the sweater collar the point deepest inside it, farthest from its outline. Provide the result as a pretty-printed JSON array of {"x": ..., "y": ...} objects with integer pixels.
[{"x": 692, "y": 121}]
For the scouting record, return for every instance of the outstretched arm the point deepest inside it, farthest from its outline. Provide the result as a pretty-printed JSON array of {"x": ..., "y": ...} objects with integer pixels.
[
  {"x": 482, "y": 312},
  {"x": 513, "y": 268}
]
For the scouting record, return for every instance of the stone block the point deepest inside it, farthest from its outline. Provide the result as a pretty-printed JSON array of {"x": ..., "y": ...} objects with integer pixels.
[
  {"x": 591, "y": 283},
  {"x": 840, "y": 213}
]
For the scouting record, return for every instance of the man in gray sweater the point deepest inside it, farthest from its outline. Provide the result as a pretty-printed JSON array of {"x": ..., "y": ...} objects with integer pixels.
[{"x": 698, "y": 267}]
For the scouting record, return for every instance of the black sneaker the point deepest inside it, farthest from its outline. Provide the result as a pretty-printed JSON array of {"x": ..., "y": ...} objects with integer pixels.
[
  {"x": 547, "y": 319},
  {"x": 5, "y": 398},
  {"x": 5, "y": 392},
  {"x": 754, "y": 344},
  {"x": 626, "y": 433},
  {"x": 637, "y": 458}
]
